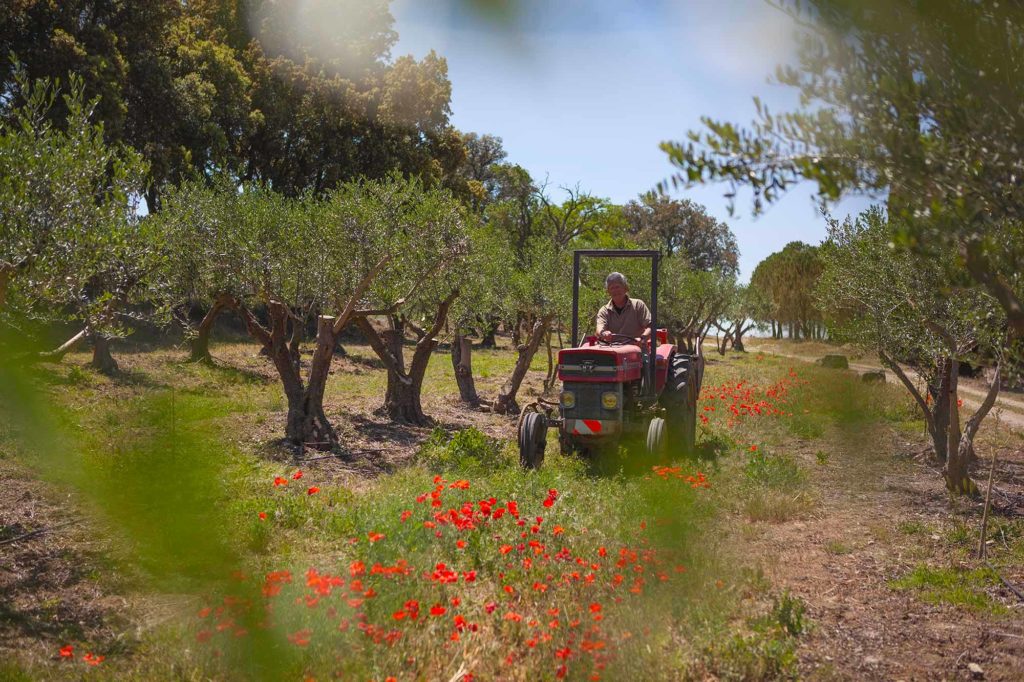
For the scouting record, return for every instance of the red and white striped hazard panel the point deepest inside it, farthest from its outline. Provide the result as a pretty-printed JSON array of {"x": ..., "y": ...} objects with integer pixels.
[{"x": 584, "y": 427}]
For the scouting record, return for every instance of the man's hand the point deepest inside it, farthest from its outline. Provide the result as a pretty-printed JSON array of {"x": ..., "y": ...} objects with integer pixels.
[{"x": 605, "y": 335}]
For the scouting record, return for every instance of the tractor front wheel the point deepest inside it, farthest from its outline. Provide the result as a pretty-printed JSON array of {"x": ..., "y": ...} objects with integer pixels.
[
  {"x": 533, "y": 439},
  {"x": 656, "y": 439}
]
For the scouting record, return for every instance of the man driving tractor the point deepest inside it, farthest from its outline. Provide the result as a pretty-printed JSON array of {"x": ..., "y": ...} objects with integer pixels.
[
  {"x": 619, "y": 388},
  {"x": 622, "y": 315}
]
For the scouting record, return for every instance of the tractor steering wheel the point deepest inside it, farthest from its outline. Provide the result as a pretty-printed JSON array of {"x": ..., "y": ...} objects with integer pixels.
[{"x": 616, "y": 340}]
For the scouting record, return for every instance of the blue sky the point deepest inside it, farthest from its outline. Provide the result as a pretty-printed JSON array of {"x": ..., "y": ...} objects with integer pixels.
[{"x": 583, "y": 92}]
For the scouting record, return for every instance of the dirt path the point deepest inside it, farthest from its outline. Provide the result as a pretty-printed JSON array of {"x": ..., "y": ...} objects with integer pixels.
[
  {"x": 882, "y": 514},
  {"x": 1013, "y": 408}
]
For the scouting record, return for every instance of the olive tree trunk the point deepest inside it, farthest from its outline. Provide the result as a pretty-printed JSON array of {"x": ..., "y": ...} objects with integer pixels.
[
  {"x": 58, "y": 353},
  {"x": 200, "y": 346},
  {"x": 957, "y": 476},
  {"x": 402, "y": 398},
  {"x": 307, "y": 423},
  {"x": 102, "y": 360},
  {"x": 506, "y": 402},
  {"x": 462, "y": 364},
  {"x": 934, "y": 404}
]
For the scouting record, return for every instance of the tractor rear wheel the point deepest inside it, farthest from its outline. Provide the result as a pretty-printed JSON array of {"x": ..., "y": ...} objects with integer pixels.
[
  {"x": 657, "y": 439},
  {"x": 680, "y": 402},
  {"x": 533, "y": 439}
]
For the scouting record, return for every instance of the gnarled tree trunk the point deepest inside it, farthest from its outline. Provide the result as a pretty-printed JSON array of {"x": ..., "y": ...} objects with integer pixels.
[
  {"x": 57, "y": 354},
  {"x": 488, "y": 331},
  {"x": 402, "y": 399},
  {"x": 102, "y": 360},
  {"x": 957, "y": 476},
  {"x": 462, "y": 363},
  {"x": 307, "y": 423},
  {"x": 737, "y": 336},
  {"x": 934, "y": 405},
  {"x": 506, "y": 402},
  {"x": 200, "y": 346}
]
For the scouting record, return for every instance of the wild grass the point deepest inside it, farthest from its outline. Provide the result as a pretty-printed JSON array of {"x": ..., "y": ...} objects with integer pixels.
[
  {"x": 170, "y": 463},
  {"x": 962, "y": 587}
]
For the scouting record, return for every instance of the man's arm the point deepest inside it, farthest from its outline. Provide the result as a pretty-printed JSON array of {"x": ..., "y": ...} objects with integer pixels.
[
  {"x": 602, "y": 321},
  {"x": 644, "y": 313}
]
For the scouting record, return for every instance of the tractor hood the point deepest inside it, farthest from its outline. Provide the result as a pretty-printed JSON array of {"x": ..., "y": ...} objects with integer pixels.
[{"x": 600, "y": 363}]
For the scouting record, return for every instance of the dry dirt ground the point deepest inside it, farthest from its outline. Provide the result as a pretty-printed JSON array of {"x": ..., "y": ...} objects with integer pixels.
[
  {"x": 876, "y": 520},
  {"x": 878, "y": 515}
]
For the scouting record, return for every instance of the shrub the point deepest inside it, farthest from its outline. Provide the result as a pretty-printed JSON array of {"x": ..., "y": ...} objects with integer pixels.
[{"x": 468, "y": 451}]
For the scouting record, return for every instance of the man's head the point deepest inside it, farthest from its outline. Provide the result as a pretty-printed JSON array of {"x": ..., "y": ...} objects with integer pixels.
[{"x": 617, "y": 287}]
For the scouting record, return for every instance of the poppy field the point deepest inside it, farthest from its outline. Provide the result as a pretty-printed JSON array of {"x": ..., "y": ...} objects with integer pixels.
[{"x": 455, "y": 565}]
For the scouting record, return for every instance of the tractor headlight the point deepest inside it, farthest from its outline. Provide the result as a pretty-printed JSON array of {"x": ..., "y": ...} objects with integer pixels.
[
  {"x": 567, "y": 399},
  {"x": 610, "y": 400}
]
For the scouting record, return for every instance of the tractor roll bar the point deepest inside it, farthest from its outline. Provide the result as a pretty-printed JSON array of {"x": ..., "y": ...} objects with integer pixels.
[{"x": 655, "y": 256}]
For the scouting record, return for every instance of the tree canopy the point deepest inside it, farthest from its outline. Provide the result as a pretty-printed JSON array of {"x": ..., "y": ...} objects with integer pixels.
[
  {"x": 252, "y": 89},
  {"x": 919, "y": 103}
]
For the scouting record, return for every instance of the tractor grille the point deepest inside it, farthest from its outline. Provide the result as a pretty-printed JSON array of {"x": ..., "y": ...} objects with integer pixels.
[
  {"x": 588, "y": 400},
  {"x": 592, "y": 366}
]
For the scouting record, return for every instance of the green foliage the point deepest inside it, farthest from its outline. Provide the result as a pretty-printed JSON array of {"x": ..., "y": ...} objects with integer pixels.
[
  {"x": 785, "y": 284},
  {"x": 895, "y": 98},
  {"x": 768, "y": 652},
  {"x": 774, "y": 471},
  {"x": 682, "y": 228},
  {"x": 468, "y": 452},
  {"x": 71, "y": 243},
  {"x": 957, "y": 586},
  {"x": 301, "y": 99}
]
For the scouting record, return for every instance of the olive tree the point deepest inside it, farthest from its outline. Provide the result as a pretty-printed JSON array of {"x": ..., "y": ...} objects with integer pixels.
[
  {"x": 72, "y": 246},
  {"x": 889, "y": 302},
  {"x": 362, "y": 250},
  {"x": 918, "y": 102},
  {"x": 427, "y": 250}
]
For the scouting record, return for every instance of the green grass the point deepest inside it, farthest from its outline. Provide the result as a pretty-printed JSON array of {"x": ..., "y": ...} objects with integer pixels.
[
  {"x": 179, "y": 463},
  {"x": 952, "y": 585},
  {"x": 837, "y": 548}
]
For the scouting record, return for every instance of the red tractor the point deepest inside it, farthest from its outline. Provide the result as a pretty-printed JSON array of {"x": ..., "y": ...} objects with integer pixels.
[{"x": 615, "y": 389}]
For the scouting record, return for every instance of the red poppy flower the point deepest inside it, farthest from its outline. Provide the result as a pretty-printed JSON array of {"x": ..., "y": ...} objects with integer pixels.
[
  {"x": 461, "y": 544},
  {"x": 297, "y": 475},
  {"x": 93, "y": 659},
  {"x": 263, "y": 516},
  {"x": 437, "y": 610},
  {"x": 405, "y": 515},
  {"x": 280, "y": 481},
  {"x": 300, "y": 638},
  {"x": 460, "y": 484},
  {"x": 602, "y": 551},
  {"x": 374, "y": 537},
  {"x": 312, "y": 490},
  {"x": 67, "y": 651}
]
